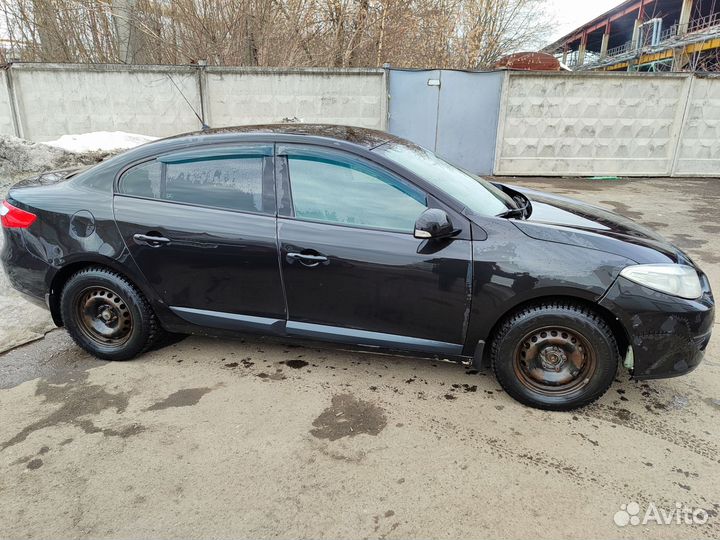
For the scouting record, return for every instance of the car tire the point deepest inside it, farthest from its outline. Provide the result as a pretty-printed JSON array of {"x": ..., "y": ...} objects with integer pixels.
[
  {"x": 555, "y": 356},
  {"x": 107, "y": 315}
]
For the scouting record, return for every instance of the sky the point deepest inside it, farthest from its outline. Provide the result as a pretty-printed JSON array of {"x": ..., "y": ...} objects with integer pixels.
[{"x": 570, "y": 14}]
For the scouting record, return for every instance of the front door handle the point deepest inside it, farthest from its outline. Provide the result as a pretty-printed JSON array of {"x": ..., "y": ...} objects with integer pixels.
[
  {"x": 151, "y": 240},
  {"x": 307, "y": 259}
]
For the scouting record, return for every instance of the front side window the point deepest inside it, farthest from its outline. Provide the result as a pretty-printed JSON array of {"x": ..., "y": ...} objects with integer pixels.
[
  {"x": 238, "y": 181},
  {"x": 341, "y": 189}
]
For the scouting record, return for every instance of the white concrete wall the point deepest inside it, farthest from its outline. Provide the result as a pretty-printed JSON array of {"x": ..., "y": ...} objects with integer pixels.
[
  {"x": 558, "y": 124},
  {"x": 549, "y": 123},
  {"x": 54, "y": 100},
  {"x": 58, "y": 99},
  {"x": 699, "y": 149},
  {"x": 262, "y": 96}
]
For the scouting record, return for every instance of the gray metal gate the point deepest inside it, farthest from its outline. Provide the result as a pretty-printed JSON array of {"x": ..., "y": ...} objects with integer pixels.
[{"x": 454, "y": 113}]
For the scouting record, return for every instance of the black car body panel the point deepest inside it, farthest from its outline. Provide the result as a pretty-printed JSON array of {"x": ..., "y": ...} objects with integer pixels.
[
  {"x": 668, "y": 334},
  {"x": 224, "y": 271},
  {"x": 377, "y": 281},
  {"x": 568, "y": 221},
  {"x": 511, "y": 269},
  {"x": 220, "y": 260}
]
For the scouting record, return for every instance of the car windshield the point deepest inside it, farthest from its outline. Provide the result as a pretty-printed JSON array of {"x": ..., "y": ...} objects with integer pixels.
[{"x": 477, "y": 194}]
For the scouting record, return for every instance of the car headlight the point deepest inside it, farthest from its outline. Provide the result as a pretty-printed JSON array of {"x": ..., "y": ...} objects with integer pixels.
[{"x": 675, "y": 279}]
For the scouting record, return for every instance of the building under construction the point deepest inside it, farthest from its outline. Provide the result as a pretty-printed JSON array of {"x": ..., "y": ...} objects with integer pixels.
[{"x": 646, "y": 35}]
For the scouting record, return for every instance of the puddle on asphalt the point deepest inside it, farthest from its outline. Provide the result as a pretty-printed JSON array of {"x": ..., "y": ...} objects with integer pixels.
[
  {"x": 77, "y": 398},
  {"x": 348, "y": 416},
  {"x": 182, "y": 398},
  {"x": 296, "y": 364}
]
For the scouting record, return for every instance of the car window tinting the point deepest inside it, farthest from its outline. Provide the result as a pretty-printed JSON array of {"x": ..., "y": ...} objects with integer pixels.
[
  {"x": 332, "y": 189},
  {"x": 477, "y": 194},
  {"x": 232, "y": 182}
]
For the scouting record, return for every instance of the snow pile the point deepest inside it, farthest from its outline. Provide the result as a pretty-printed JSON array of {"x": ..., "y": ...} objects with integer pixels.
[
  {"x": 100, "y": 141},
  {"x": 20, "y": 158}
]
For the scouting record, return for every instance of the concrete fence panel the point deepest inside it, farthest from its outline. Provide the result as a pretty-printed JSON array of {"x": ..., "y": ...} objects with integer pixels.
[
  {"x": 355, "y": 97},
  {"x": 54, "y": 100},
  {"x": 698, "y": 151},
  {"x": 590, "y": 124},
  {"x": 544, "y": 124}
]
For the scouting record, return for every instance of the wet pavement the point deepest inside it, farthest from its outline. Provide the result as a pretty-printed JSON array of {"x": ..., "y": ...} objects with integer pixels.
[{"x": 259, "y": 438}]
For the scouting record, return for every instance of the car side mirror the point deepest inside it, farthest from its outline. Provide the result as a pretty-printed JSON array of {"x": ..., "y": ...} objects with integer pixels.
[{"x": 434, "y": 223}]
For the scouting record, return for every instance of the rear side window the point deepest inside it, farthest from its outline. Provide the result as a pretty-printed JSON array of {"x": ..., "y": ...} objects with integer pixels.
[
  {"x": 234, "y": 183},
  {"x": 242, "y": 181},
  {"x": 143, "y": 180},
  {"x": 340, "y": 189}
]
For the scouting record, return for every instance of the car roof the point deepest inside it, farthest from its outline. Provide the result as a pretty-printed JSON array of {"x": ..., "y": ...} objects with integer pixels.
[{"x": 364, "y": 137}]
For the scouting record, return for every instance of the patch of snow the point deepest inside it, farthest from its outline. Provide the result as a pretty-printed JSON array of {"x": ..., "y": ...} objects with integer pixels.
[
  {"x": 100, "y": 140},
  {"x": 20, "y": 158}
]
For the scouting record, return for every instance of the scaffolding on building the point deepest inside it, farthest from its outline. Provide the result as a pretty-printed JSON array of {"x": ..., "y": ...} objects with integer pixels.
[{"x": 669, "y": 38}]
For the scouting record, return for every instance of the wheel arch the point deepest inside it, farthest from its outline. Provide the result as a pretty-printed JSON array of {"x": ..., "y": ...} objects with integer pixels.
[
  {"x": 61, "y": 276},
  {"x": 619, "y": 332}
]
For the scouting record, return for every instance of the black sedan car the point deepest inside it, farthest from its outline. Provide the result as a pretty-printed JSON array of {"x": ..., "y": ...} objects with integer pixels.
[{"x": 357, "y": 237}]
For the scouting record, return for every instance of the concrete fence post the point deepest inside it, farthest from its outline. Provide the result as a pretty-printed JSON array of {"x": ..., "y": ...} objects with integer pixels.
[
  {"x": 681, "y": 120},
  {"x": 385, "y": 105},
  {"x": 203, "y": 93},
  {"x": 14, "y": 108},
  {"x": 500, "y": 130}
]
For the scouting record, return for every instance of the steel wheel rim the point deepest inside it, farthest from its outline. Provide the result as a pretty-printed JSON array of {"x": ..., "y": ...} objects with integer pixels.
[
  {"x": 554, "y": 360},
  {"x": 103, "y": 316}
]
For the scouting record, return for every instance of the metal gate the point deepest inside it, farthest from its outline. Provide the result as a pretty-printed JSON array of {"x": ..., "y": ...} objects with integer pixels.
[{"x": 454, "y": 113}]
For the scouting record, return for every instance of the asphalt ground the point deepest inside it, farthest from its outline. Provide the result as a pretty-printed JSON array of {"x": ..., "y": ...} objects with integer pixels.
[{"x": 217, "y": 438}]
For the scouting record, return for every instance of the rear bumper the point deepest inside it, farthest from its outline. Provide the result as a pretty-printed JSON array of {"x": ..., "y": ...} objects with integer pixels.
[
  {"x": 26, "y": 273},
  {"x": 668, "y": 335}
]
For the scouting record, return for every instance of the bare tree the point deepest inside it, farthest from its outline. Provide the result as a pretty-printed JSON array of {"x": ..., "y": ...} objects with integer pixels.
[
  {"x": 340, "y": 33},
  {"x": 496, "y": 27}
]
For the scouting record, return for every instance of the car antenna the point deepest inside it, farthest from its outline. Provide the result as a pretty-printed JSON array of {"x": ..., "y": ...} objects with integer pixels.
[{"x": 205, "y": 127}]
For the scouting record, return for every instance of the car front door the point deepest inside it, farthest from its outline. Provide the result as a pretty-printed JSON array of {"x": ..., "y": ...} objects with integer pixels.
[
  {"x": 352, "y": 269},
  {"x": 201, "y": 226}
]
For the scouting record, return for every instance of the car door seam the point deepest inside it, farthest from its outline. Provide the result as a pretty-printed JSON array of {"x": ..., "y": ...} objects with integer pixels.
[{"x": 278, "y": 246}]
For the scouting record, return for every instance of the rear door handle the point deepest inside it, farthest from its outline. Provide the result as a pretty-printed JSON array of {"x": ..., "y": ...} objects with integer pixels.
[
  {"x": 151, "y": 240},
  {"x": 307, "y": 259}
]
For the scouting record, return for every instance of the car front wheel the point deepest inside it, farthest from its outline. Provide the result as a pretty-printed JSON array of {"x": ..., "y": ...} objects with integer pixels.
[
  {"x": 556, "y": 356},
  {"x": 107, "y": 315}
]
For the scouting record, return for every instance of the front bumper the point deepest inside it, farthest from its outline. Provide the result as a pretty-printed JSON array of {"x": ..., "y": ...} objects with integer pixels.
[{"x": 668, "y": 334}]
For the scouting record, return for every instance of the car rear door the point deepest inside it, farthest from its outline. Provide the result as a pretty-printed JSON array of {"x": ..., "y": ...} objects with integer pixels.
[
  {"x": 352, "y": 269},
  {"x": 201, "y": 226}
]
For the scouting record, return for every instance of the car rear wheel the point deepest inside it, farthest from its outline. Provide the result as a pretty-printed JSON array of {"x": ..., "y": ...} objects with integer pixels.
[
  {"x": 555, "y": 356},
  {"x": 107, "y": 315}
]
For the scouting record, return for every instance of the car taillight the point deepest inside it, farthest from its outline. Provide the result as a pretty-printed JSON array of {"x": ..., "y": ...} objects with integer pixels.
[{"x": 14, "y": 218}]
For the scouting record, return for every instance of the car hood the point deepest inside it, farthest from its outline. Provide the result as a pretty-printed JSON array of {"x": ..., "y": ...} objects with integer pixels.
[{"x": 569, "y": 221}]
